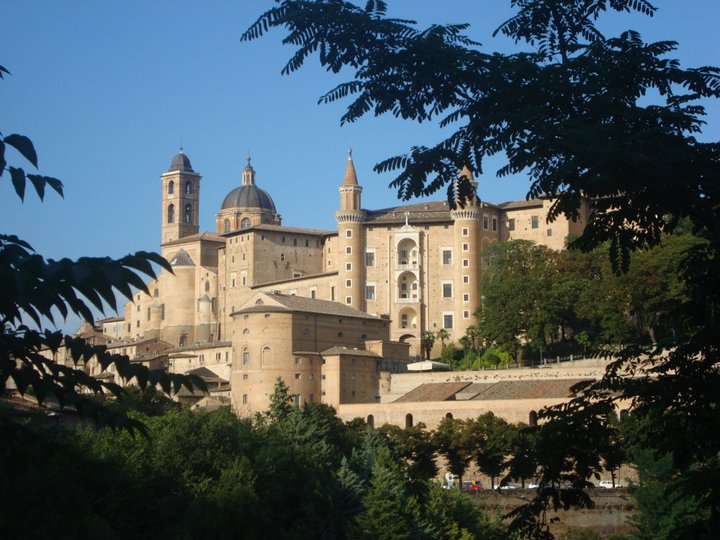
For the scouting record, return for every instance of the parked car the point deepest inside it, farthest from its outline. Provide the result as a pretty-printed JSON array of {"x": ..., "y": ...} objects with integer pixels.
[
  {"x": 607, "y": 484},
  {"x": 475, "y": 485}
]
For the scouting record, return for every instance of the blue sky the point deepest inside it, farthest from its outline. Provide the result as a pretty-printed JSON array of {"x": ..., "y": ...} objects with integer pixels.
[{"x": 108, "y": 90}]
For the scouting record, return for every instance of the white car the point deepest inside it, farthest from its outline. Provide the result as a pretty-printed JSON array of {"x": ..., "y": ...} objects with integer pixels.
[{"x": 607, "y": 484}]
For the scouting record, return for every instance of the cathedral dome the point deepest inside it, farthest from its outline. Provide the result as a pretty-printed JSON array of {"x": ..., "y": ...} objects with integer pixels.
[
  {"x": 248, "y": 196},
  {"x": 181, "y": 163}
]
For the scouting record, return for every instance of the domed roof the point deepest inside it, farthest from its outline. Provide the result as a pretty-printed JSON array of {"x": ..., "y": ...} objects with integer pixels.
[
  {"x": 248, "y": 196},
  {"x": 181, "y": 163}
]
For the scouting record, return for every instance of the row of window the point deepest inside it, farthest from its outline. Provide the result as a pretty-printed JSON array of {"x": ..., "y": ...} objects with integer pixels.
[
  {"x": 188, "y": 188},
  {"x": 187, "y": 216}
]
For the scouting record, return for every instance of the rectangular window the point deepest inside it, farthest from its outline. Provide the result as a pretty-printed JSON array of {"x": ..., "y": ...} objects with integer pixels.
[
  {"x": 549, "y": 232},
  {"x": 298, "y": 360},
  {"x": 511, "y": 224},
  {"x": 447, "y": 256},
  {"x": 485, "y": 222},
  {"x": 348, "y": 233},
  {"x": 447, "y": 290},
  {"x": 348, "y": 282},
  {"x": 370, "y": 292},
  {"x": 447, "y": 321},
  {"x": 535, "y": 222},
  {"x": 466, "y": 247},
  {"x": 466, "y": 314},
  {"x": 298, "y": 400},
  {"x": 466, "y": 263},
  {"x": 348, "y": 300},
  {"x": 348, "y": 266},
  {"x": 297, "y": 376},
  {"x": 246, "y": 357},
  {"x": 245, "y": 376},
  {"x": 332, "y": 293},
  {"x": 466, "y": 297},
  {"x": 369, "y": 258},
  {"x": 494, "y": 224},
  {"x": 348, "y": 250},
  {"x": 466, "y": 279},
  {"x": 465, "y": 232},
  {"x": 313, "y": 292},
  {"x": 245, "y": 399}
]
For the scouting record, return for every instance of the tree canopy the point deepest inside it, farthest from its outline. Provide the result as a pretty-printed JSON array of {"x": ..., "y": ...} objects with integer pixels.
[{"x": 610, "y": 118}]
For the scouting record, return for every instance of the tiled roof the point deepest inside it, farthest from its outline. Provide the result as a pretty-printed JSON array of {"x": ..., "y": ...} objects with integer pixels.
[
  {"x": 206, "y": 375},
  {"x": 307, "y": 305},
  {"x": 511, "y": 205},
  {"x": 181, "y": 258},
  {"x": 433, "y": 392},
  {"x": 464, "y": 391},
  {"x": 293, "y": 279},
  {"x": 205, "y": 236},
  {"x": 284, "y": 229},
  {"x": 334, "y": 351},
  {"x": 426, "y": 212}
]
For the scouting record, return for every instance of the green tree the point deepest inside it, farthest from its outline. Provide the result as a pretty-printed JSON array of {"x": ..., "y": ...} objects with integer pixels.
[
  {"x": 428, "y": 341},
  {"x": 442, "y": 335},
  {"x": 568, "y": 109},
  {"x": 389, "y": 511},
  {"x": 415, "y": 447},
  {"x": 280, "y": 407},
  {"x": 523, "y": 459},
  {"x": 516, "y": 303},
  {"x": 450, "y": 443},
  {"x": 490, "y": 438}
]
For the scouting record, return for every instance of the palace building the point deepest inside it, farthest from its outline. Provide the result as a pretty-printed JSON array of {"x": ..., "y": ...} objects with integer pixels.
[{"x": 332, "y": 312}]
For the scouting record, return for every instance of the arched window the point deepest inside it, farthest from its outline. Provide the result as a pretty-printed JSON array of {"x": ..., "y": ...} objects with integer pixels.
[
  {"x": 408, "y": 420},
  {"x": 171, "y": 213},
  {"x": 245, "y": 223},
  {"x": 371, "y": 420},
  {"x": 266, "y": 355},
  {"x": 449, "y": 416},
  {"x": 532, "y": 419},
  {"x": 188, "y": 213},
  {"x": 171, "y": 187},
  {"x": 188, "y": 188},
  {"x": 226, "y": 225},
  {"x": 207, "y": 286}
]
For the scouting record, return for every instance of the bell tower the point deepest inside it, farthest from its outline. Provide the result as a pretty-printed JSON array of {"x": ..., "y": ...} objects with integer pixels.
[{"x": 180, "y": 200}]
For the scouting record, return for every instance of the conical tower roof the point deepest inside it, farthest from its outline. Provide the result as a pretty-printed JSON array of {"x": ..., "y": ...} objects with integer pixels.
[{"x": 350, "y": 176}]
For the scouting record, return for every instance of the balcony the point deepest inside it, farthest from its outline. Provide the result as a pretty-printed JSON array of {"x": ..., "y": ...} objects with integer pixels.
[{"x": 406, "y": 265}]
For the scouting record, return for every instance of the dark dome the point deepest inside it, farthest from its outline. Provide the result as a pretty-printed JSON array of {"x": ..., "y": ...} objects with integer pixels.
[
  {"x": 181, "y": 163},
  {"x": 248, "y": 196}
]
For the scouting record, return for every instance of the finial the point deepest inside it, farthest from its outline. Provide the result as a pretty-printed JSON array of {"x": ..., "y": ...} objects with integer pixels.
[
  {"x": 248, "y": 157},
  {"x": 181, "y": 145},
  {"x": 349, "y": 152},
  {"x": 407, "y": 216}
]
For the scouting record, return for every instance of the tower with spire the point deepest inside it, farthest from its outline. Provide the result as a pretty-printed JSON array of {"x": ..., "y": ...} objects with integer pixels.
[
  {"x": 467, "y": 233},
  {"x": 351, "y": 240},
  {"x": 180, "y": 200}
]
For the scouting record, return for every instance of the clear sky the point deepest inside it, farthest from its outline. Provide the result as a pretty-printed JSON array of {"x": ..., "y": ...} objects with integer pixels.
[{"x": 109, "y": 90}]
